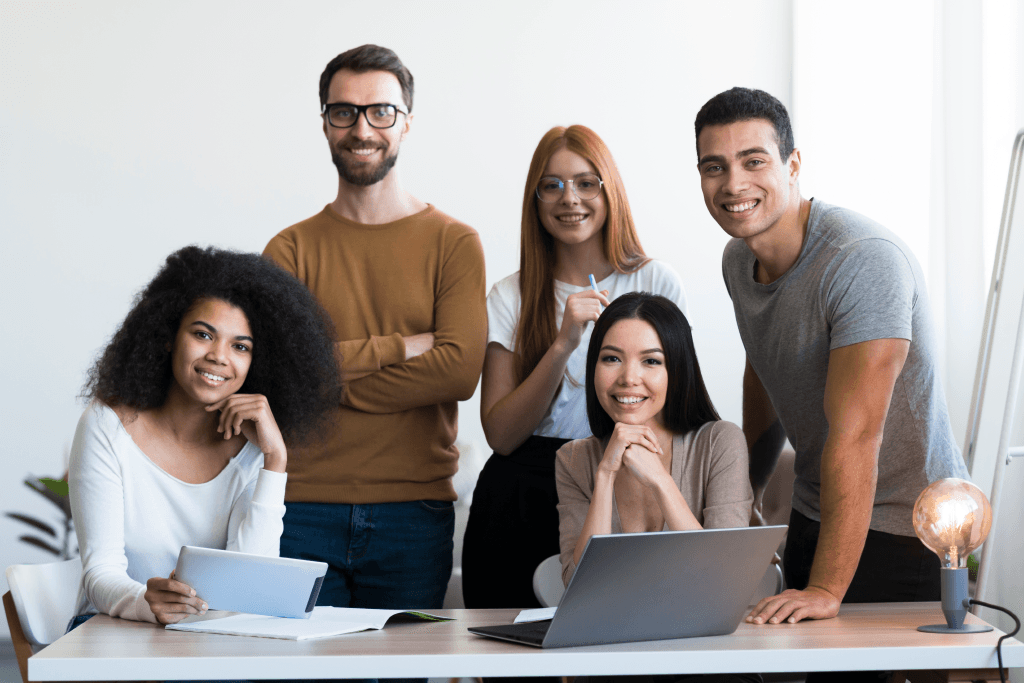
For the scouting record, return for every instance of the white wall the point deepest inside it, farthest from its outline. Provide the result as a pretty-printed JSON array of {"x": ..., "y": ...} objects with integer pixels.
[{"x": 128, "y": 130}]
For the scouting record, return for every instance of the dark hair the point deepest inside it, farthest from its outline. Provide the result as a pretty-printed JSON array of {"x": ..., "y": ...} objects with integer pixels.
[
  {"x": 368, "y": 58},
  {"x": 293, "y": 361},
  {"x": 744, "y": 104},
  {"x": 687, "y": 404}
]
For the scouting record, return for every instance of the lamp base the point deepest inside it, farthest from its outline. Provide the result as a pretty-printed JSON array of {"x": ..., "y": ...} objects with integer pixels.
[{"x": 966, "y": 628}]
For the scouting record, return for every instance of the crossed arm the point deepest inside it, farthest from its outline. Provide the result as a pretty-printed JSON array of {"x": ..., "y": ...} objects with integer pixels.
[
  {"x": 358, "y": 358},
  {"x": 450, "y": 369},
  {"x": 393, "y": 373},
  {"x": 858, "y": 390}
]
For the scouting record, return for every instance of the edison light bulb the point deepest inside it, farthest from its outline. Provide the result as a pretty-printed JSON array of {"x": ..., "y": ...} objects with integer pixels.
[{"x": 952, "y": 517}]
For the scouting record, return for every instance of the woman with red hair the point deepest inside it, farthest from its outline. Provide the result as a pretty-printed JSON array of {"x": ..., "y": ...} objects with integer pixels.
[{"x": 576, "y": 224}]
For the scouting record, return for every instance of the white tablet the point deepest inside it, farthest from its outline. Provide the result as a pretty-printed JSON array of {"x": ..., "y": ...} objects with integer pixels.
[{"x": 256, "y": 584}]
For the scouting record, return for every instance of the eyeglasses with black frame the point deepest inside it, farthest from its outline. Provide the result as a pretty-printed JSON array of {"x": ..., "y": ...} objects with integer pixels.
[
  {"x": 584, "y": 186},
  {"x": 345, "y": 115}
]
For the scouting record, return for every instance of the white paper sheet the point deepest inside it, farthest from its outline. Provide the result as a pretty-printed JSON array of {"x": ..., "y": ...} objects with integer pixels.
[
  {"x": 322, "y": 623},
  {"x": 539, "y": 614}
]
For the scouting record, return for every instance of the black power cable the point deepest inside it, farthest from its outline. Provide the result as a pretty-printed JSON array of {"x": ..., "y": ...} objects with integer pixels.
[{"x": 999, "y": 644}]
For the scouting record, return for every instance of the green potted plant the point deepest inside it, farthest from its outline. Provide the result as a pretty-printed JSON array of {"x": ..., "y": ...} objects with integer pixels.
[{"x": 55, "y": 539}]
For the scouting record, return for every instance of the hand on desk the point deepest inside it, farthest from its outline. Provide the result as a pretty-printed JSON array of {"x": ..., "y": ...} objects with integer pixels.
[
  {"x": 791, "y": 606},
  {"x": 172, "y": 601}
]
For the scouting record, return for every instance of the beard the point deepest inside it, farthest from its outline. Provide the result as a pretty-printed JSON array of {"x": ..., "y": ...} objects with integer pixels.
[{"x": 363, "y": 174}]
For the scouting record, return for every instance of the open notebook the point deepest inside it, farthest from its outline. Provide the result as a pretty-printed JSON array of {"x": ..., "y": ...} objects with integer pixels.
[{"x": 322, "y": 623}]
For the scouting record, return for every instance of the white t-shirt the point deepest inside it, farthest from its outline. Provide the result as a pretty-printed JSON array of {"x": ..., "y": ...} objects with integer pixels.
[
  {"x": 132, "y": 517},
  {"x": 567, "y": 415}
]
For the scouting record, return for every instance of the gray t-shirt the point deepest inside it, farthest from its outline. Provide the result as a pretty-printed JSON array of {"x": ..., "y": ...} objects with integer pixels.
[{"x": 854, "y": 281}]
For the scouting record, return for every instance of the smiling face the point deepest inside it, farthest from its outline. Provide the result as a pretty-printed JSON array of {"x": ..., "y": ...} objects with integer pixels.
[
  {"x": 747, "y": 187},
  {"x": 631, "y": 378},
  {"x": 363, "y": 154},
  {"x": 571, "y": 220},
  {"x": 212, "y": 351}
]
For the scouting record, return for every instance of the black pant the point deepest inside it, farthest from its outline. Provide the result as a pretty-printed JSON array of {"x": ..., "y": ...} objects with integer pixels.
[
  {"x": 512, "y": 527},
  {"x": 891, "y": 569}
]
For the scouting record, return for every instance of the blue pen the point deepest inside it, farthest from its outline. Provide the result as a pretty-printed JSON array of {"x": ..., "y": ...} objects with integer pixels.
[{"x": 593, "y": 286}]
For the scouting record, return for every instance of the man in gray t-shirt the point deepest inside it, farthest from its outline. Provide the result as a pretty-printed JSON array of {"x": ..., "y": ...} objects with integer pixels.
[{"x": 834, "y": 317}]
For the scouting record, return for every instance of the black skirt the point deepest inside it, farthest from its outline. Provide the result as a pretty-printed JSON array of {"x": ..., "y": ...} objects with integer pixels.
[{"x": 512, "y": 527}]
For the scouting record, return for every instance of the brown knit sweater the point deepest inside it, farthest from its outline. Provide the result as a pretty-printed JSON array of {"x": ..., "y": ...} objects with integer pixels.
[{"x": 394, "y": 433}]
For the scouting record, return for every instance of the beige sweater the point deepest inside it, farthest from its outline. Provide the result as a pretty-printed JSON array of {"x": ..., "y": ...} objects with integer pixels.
[
  {"x": 393, "y": 436},
  {"x": 709, "y": 465}
]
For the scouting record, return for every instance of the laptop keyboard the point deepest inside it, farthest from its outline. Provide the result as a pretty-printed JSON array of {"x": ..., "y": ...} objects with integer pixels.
[{"x": 532, "y": 632}]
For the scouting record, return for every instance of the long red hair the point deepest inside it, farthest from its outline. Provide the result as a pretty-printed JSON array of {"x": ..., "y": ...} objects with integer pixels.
[{"x": 537, "y": 330}]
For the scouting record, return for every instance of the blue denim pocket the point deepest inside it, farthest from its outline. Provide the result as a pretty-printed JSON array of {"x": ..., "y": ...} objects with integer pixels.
[{"x": 438, "y": 505}]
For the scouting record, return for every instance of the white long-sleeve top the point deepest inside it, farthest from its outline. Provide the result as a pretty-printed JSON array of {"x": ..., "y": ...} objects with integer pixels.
[{"x": 132, "y": 517}]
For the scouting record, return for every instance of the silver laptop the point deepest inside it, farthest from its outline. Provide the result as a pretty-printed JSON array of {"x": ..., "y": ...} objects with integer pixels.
[{"x": 652, "y": 586}]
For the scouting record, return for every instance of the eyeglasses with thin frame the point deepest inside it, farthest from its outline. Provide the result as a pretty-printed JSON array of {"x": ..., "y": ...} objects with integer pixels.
[
  {"x": 584, "y": 186},
  {"x": 345, "y": 115}
]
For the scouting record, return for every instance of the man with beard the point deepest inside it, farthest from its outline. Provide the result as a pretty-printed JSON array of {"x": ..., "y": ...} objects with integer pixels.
[{"x": 404, "y": 285}]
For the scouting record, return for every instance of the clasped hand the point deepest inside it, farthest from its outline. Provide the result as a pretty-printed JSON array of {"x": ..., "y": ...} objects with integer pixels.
[
  {"x": 171, "y": 601},
  {"x": 636, "y": 447},
  {"x": 250, "y": 414}
]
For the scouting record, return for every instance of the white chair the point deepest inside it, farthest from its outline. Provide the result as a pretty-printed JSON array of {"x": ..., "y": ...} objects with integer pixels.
[
  {"x": 548, "y": 587},
  {"x": 771, "y": 583},
  {"x": 547, "y": 581},
  {"x": 42, "y": 601}
]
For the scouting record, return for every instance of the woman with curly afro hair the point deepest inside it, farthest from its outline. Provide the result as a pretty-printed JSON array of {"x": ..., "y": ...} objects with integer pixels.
[{"x": 222, "y": 361}]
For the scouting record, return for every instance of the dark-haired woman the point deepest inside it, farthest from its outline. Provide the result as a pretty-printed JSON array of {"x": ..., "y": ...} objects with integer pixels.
[
  {"x": 660, "y": 457},
  {"x": 222, "y": 360},
  {"x": 576, "y": 222}
]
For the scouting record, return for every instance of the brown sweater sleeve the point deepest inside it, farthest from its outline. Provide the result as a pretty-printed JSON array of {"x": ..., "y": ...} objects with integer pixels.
[
  {"x": 449, "y": 371},
  {"x": 356, "y": 357}
]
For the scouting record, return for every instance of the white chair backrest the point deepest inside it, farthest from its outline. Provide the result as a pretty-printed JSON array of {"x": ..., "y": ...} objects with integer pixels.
[
  {"x": 771, "y": 583},
  {"x": 46, "y": 597},
  {"x": 547, "y": 581}
]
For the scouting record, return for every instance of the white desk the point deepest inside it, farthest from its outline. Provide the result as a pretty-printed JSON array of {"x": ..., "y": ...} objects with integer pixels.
[{"x": 861, "y": 637}]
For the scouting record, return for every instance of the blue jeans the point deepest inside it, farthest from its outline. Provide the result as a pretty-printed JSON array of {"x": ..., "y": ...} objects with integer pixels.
[{"x": 378, "y": 555}]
